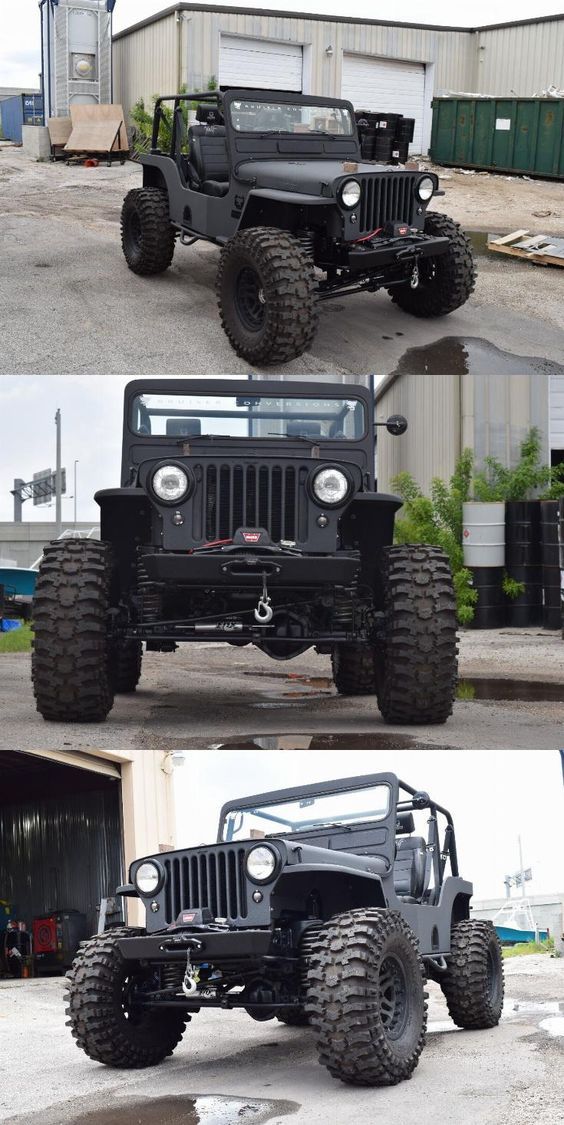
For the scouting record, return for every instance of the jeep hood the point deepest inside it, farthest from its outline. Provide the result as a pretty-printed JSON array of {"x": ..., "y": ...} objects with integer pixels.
[{"x": 309, "y": 177}]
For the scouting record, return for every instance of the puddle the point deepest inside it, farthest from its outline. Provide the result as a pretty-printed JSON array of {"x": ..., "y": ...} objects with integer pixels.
[
  {"x": 456, "y": 355},
  {"x": 525, "y": 691},
  {"x": 365, "y": 741},
  {"x": 176, "y": 1109}
]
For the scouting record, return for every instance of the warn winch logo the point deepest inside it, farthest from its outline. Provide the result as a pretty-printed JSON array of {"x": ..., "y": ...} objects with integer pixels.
[{"x": 252, "y": 536}]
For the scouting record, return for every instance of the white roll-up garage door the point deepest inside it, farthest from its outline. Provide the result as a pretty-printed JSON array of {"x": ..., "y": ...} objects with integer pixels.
[
  {"x": 260, "y": 64},
  {"x": 556, "y": 409},
  {"x": 388, "y": 86}
]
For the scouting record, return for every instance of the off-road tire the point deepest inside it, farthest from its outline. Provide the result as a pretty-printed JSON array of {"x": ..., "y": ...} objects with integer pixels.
[
  {"x": 284, "y": 272},
  {"x": 71, "y": 651},
  {"x": 473, "y": 984},
  {"x": 147, "y": 237},
  {"x": 417, "y": 672},
  {"x": 446, "y": 281},
  {"x": 125, "y": 668},
  {"x": 368, "y": 1032},
  {"x": 293, "y": 1017},
  {"x": 97, "y": 1019},
  {"x": 354, "y": 669}
]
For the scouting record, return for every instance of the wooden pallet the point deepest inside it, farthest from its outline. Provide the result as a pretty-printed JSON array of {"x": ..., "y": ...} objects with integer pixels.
[{"x": 542, "y": 249}]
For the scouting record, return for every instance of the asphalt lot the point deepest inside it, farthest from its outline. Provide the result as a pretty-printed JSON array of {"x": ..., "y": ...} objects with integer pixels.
[
  {"x": 63, "y": 273},
  {"x": 212, "y": 696},
  {"x": 238, "y": 1070}
]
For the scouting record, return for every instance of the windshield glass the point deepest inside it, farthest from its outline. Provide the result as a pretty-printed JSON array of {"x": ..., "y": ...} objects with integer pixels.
[
  {"x": 307, "y": 814},
  {"x": 248, "y": 416},
  {"x": 287, "y": 117}
]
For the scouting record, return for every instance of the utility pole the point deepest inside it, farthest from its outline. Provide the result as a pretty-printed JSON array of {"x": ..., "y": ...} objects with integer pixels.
[
  {"x": 58, "y": 478},
  {"x": 75, "y": 464},
  {"x": 521, "y": 869}
]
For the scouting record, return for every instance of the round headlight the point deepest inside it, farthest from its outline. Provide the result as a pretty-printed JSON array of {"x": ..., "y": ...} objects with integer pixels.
[
  {"x": 330, "y": 487},
  {"x": 261, "y": 864},
  {"x": 350, "y": 193},
  {"x": 425, "y": 188},
  {"x": 147, "y": 878},
  {"x": 170, "y": 483}
]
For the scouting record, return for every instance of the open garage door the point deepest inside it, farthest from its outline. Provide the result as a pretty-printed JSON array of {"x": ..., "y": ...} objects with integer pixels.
[
  {"x": 60, "y": 844},
  {"x": 388, "y": 86},
  {"x": 259, "y": 64}
]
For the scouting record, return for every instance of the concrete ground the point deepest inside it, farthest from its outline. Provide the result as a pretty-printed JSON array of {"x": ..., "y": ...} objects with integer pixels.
[
  {"x": 215, "y": 696},
  {"x": 230, "y": 1069},
  {"x": 68, "y": 303}
]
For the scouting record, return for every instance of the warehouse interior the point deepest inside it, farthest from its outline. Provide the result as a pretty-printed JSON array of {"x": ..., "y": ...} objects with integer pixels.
[{"x": 61, "y": 852}]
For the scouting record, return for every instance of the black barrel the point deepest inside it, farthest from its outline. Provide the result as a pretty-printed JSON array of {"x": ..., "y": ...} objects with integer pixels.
[
  {"x": 386, "y": 123},
  {"x": 523, "y": 561},
  {"x": 550, "y": 554},
  {"x": 405, "y": 129},
  {"x": 490, "y": 609},
  {"x": 400, "y": 151},
  {"x": 383, "y": 149},
  {"x": 561, "y": 542},
  {"x": 367, "y": 138}
]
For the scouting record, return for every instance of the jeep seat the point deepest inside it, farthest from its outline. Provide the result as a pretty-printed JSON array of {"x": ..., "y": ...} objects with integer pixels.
[
  {"x": 208, "y": 166},
  {"x": 409, "y": 868}
]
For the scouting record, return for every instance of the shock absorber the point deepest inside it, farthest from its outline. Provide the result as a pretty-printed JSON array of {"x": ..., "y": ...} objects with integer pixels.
[
  {"x": 149, "y": 595},
  {"x": 306, "y": 238},
  {"x": 172, "y": 976}
]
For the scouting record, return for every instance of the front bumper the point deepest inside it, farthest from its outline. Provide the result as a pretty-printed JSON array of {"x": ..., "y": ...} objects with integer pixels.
[
  {"x": 203, "y": 946},
  {"x": 244, "y": 569},
  {"x": 381, "y": 252}
]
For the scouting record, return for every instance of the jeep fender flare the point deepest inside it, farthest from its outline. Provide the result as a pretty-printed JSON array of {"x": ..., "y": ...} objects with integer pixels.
[{"x": 335, "y": 886}]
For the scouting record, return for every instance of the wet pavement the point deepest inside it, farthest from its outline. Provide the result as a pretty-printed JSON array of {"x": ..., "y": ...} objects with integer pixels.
[
  {"x": 179, "y": 1110},
  {"x": 471, "y": 355}
]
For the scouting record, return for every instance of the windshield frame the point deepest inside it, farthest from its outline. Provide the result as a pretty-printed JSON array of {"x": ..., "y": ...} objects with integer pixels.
[
  {"x": 254, "y": 391},
  {"x": 268, "y": 802},
  {"x": 280, "y": 100}
]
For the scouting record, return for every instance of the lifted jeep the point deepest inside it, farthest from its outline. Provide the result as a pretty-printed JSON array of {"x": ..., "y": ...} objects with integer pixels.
[
  {"x": 247, "y": 512},
  {"x": 278, "y": 182},
  {"x": 318, "y": 905}
]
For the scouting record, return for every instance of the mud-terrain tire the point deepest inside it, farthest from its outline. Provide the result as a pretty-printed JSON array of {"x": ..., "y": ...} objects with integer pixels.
[
  {"x": 473, "y": 984},
  {"x": 125, "y": 666},
  {"x": 417, "y": 674},
  {"x": 99, "y": 1019},
  {"x": 70, "y": 664},
  {"x": 293, "y": 1017},
  {"x": 446, "y": 281},
  {"x": 266, "y": 295},
  {"x": 354, "y": 668},
  {"x": 366, "y": 1000},
  {"x": 147, "y": 237}
]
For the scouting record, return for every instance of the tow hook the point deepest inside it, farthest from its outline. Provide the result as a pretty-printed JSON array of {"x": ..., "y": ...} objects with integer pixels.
[
  {"x": 189, "y": 984},
  {"x": 414, "y": 280},
  {"x": 264, "y": 612}
]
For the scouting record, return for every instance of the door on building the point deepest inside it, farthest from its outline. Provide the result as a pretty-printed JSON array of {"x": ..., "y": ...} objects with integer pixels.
[
  {"x": 259, "y": 64},
  {"x": 556, "y": 419},
  {"x": 388, "y": 86}
]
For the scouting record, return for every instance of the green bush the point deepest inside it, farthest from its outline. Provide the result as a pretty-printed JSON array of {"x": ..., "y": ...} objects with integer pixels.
[
  {"x": 495, "y": 482},
  {"x": 142, "y": 119},
  {"x": 438, "y": 520}
]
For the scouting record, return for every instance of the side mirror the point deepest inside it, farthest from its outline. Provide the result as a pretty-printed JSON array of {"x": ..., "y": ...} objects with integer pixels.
[{"x": 396, "y": 424}]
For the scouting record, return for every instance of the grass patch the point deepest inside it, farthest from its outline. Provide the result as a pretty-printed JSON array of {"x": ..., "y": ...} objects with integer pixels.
[
  {"x": 525, "y": 948},
  {"x": 18, "y": 641}
]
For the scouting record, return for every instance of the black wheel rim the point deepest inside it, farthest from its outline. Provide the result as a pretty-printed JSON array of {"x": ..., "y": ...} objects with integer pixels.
[
  {"x": 250, "y": 299},
  {"x": 492, "y": 976},
  {"x": 393, "y": 997},
  {"x": 134, "y": 230}
]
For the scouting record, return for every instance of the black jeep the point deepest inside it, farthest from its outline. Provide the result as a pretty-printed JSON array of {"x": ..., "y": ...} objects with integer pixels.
[
  {"x": 247, "y": 512},
  {"x": 318, "y": 905},
  {"x": 277, "y": 181}
]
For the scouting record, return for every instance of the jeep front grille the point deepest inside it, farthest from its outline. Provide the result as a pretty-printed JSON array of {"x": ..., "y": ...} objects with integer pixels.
[
  {"x": 257, "y": 495},
  {"x": 386, "y": 199},
  {"x": 213, "y": 879}
]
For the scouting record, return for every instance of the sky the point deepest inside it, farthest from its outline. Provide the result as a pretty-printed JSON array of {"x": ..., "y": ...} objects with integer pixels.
[
  {"x": 494, "y": 796},
  {"x": 19, "y": 21}
]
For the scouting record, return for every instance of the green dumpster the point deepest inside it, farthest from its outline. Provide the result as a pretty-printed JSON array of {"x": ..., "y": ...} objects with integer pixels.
[{"x": 520, "y": 135}]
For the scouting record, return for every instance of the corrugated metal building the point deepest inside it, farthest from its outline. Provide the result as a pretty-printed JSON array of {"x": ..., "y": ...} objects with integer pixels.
[
  {"x": 490, "y": 414},
  {"x": 377, "y": 65}
]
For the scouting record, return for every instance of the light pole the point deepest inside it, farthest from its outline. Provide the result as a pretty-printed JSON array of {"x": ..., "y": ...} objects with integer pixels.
[{"x": 75, "y": 464}]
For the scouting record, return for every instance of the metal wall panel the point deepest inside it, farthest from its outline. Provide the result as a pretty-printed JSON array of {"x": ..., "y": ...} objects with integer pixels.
[
  {"x": 146, "y": 62},
  {"x": 519, "y": 61},
  {"x": 61, "y": 852}
]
